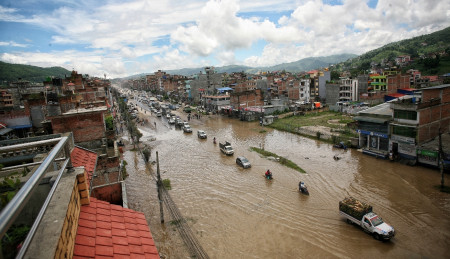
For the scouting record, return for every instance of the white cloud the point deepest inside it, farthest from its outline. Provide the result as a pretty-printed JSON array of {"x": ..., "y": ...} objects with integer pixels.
[
  {"x": 13, "y": 44},
  {"x": 9, "y": 14},
  {"x": 122, "y": 38},
  {"x": 93, "y": 64}
]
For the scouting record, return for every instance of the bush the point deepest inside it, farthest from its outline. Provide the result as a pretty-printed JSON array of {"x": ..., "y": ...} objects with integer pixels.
[
  {"x": 318, "y": 134},
  {"x": 109, "y": 122},
  {"x": 166, "y": 184}
]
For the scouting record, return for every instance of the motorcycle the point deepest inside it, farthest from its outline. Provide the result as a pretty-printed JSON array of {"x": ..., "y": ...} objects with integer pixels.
[
  {"x": 268, "y": 176},
  {"x": 303, "y": 189}
]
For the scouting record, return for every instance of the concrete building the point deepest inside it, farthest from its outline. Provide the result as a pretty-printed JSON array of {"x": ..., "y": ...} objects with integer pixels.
[
  {"x": 348, "y": 90},
  {"x": 373, "y": 130},
  {"x": 418, "y": 119},
  {"x": 363, "y": 84},
  {"x": 324, "y": 77},
  {"x": 205, "y": 84},
  {"x": 332, "y": 91},
  {"x": 67, "y": 222},
  {"x": 304, "y": 90},
  {"x": 215, "y": 102}
]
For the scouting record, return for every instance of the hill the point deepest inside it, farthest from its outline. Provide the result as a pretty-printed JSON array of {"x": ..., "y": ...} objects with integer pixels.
[
  {"x": 418, "y": 47},
  {"x": 12, "y": 72},
  {"x": 311, "y": 63},
  {"x": 305, "y": 64}
]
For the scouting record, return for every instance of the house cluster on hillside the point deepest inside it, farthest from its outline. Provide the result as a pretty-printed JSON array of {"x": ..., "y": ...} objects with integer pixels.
[{"x": 85, "y": 213}]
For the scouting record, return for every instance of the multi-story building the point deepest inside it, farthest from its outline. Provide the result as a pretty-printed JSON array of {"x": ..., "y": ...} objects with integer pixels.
[
  {"x": 304, "y": 90},
  {"x": 348, "y": 90},
  {"x": 317, "y": 85},
  {"x": 402, "y": 60},
  {"x": 373, "y": 130},
  {"x": 6, "y": 101},
  {"x": 205, "y": 84},
  {"x": 418, "y": 119},
  {"x": 397, "y": 81},
  {"x": 332, "y": 90},
  {"x": 377, "y": 83}
]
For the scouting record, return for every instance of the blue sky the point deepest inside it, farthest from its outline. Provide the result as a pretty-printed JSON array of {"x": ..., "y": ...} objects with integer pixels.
[{"x": 121, "y": 38}]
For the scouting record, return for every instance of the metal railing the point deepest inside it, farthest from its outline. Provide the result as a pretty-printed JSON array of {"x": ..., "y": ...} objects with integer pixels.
[
  {"x": 15, "y": 206},
  {"x": 33, "y": 229}
]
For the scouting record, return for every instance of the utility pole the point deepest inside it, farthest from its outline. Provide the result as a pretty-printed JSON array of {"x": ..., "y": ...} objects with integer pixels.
[
  {"x": 441, "y": 160},
  {"x": 159, "y": 185}
]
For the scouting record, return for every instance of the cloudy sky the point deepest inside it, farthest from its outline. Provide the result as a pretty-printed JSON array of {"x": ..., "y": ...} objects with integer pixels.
[{"x": 127, "y": 37}]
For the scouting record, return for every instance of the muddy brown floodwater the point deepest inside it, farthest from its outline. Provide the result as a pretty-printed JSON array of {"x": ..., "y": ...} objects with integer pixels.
[{"x": 237, "y": 213}]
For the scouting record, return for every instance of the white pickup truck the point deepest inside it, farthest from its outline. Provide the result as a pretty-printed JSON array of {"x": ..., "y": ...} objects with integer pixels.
[{"x": 361, "y": 214}]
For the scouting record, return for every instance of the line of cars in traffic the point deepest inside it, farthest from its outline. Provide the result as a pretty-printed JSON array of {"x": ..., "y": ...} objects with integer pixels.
[{"x": 201, "y": 134}]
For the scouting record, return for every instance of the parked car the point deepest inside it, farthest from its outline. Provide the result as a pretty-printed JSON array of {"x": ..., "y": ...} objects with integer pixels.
[
  {"x": 201, "y": 134},
  {"x": 187, "y": 129},
  {"x": 158, "y": 114},
  {"x": 242, "y": 161}
]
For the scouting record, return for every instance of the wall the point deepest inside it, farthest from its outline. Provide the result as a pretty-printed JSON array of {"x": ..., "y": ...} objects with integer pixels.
[
  {"x": 111, "y": 193},
  {"x": 85, "y": 127},
  {"x": 332, "y": 93},
  {"x": 431, "y": 120},
  {"x": 57, "y": 230},
  {"x": 247, "y": 98}
]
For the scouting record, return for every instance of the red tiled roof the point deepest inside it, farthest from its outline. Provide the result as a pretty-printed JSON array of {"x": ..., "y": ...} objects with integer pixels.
[
  {"x": 86, "y": 158},
  {"x": 110, "y": 231}
]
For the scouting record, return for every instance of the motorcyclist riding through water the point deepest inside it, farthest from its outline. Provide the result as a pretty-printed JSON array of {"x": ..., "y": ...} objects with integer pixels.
[
  {"x": 268, "y": 174},
  {"x": 301, "y": 185}
]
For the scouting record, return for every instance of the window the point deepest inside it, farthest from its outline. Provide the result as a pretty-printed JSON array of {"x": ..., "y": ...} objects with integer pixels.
[
  {"x": 404, "y": 131},
  {"x": 407, "y": 115}
]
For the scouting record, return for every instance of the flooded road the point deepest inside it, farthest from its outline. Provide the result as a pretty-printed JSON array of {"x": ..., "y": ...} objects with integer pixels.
[{"x": 237, "y": 213}]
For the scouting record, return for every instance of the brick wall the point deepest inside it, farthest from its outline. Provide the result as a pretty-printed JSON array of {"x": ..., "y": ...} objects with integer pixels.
[
  {"x": 431, "y": 119},
  {"x": 429, "y": 94},
  {"x": 80, "y": 196},
  {"x": 294, "y": 94},
  {"x": 111, "y": 193},
  {"x": 246, "y": 98},
  {"x": 85, "y": 127}
]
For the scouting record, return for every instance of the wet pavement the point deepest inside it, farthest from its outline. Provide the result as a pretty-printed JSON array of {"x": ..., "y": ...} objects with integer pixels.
[{"x": 237, "y": 213}]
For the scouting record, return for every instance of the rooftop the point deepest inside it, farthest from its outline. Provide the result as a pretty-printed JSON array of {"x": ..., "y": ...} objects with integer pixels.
[
  {"x": 106, "y": 231},
  {"x": 86, "y": 158},
  {"x": 85, "y": 110},
  {"x": 383, "y": 109}
]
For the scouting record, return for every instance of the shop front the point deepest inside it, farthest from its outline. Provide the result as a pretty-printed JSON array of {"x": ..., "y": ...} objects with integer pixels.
[
  {"x": 403, "y": 147},
  {"x": 374, "y": 143}
]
